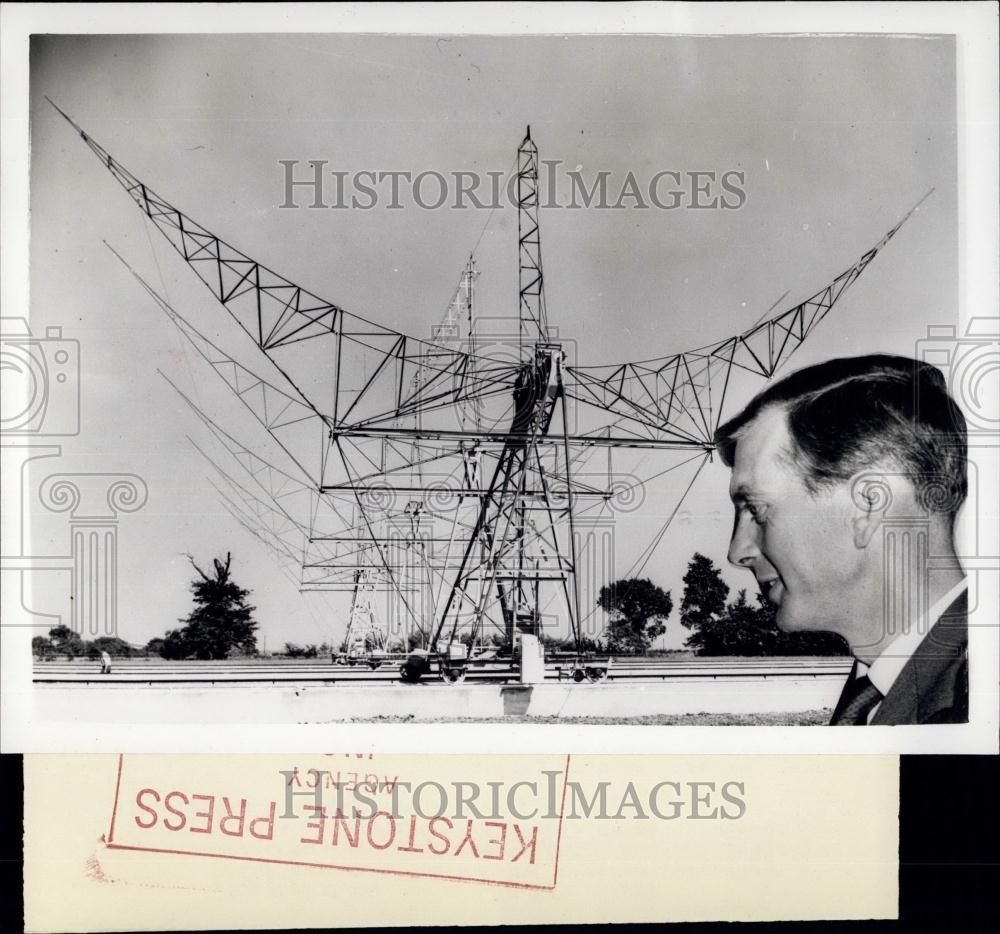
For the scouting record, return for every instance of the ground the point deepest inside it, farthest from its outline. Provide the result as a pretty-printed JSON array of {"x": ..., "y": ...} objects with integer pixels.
[{"x": 802, "y": 718}]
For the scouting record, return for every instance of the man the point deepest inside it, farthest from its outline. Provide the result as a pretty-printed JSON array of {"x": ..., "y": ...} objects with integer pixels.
[{"x": 846, "y": 480}]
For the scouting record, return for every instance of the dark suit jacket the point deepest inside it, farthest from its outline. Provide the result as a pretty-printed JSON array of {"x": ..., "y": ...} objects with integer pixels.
[{"x": 933, "y": 687}]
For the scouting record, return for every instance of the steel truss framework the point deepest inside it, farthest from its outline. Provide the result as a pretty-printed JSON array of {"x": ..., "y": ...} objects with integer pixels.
[
  {"x": 364, "y": 635},
  {"x": 386, "y": 434}
]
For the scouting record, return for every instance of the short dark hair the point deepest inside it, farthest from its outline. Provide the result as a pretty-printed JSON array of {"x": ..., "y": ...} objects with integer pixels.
[{"x": 851, "y": 412}]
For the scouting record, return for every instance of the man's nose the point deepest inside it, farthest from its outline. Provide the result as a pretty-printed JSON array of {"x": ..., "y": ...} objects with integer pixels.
[{"x": 743, "y": 546}]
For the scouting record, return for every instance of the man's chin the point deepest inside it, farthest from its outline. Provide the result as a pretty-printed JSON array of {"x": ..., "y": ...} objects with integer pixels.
[
  {"x": 787, "y": 621},
  {"x": 785, "y": 626}
]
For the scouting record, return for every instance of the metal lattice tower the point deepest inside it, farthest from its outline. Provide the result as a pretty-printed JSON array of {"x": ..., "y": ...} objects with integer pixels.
[
  {"x": 506, "y": 560},
  {"x": 376, "y": 430},
  {"x": 364, "y": 635},
  {"x": 531, "y": 313}
]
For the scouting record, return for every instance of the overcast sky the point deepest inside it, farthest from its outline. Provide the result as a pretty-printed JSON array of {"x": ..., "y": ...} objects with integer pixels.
[{"x": 837, "y": 139}]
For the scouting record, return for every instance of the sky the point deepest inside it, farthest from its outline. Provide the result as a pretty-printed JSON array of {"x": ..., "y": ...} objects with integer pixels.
[{"x": 836, "y": 138}]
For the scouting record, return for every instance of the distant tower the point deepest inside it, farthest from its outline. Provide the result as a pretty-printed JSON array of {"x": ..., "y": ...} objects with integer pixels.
[{"x": 363, "y": 633}]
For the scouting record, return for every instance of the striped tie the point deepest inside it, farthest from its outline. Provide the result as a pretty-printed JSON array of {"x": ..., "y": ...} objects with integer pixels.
[{"x": 856, "y": 702}]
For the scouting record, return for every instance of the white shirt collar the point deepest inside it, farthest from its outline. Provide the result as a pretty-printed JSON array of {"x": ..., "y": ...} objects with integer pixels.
[{"x": 884, "y": 671}]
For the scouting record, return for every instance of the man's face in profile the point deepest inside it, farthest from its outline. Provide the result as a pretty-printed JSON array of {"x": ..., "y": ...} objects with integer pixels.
[{"x": 798, "y": 545}]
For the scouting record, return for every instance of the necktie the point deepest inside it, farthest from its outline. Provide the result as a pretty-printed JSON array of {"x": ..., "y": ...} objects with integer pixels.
[{"x": 856, "y": 701}]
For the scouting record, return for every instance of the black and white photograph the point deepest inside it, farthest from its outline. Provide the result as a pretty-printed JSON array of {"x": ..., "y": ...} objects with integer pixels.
[
  {"x": 463, "y": 384},
  {"x": 462, "y": 464}
]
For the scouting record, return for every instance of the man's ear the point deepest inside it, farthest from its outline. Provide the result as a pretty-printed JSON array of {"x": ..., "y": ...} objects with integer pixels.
[
  {"x": 866, "y": 525},
  {"x": 872, "y": 494}
]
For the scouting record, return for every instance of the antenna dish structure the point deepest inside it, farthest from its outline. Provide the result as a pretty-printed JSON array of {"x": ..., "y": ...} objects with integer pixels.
[{"x": 430, "y": 470}]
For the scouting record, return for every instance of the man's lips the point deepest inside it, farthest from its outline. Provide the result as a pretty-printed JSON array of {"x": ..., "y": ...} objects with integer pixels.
[{"x": 771, "y": 588}]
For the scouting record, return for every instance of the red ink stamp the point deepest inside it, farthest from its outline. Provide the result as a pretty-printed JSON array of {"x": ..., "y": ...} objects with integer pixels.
[{"x": 491, "y": 819}]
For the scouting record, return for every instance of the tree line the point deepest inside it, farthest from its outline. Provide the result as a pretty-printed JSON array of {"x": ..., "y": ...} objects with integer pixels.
[
  {"x": 740, "y": 627},
  {"x": 638, "y": 613},
  {"x": 61, "y": 640},
  {"x": 221, "y": 625}
]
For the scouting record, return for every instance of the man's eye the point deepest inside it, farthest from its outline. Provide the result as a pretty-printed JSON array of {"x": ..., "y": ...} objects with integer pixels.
[{"x": 756, "y": 512}]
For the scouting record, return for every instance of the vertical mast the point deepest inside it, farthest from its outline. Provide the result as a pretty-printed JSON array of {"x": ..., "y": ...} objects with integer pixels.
[
  {"x": 531, "y": 313},
  {"x": 516, "y": 553}
]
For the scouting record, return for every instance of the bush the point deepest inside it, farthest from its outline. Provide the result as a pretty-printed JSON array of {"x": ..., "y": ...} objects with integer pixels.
[{"x": 745, "y": 629}]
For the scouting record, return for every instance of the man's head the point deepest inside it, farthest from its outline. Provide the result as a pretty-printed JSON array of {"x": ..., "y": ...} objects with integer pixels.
[{"x": 803, "y": 526}]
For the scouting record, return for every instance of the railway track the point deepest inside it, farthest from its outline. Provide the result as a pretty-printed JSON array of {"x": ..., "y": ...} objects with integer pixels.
[{"x": 269, "y": 671}]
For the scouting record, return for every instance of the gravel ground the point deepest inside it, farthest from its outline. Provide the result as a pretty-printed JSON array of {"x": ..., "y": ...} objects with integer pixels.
[{"x": 801, "y": 718}]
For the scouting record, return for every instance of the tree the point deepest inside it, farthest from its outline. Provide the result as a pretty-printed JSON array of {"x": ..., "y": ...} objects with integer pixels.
[
  {"x": 746, "y": 629},
  {"x": 587, "y": 644},
  {"x": 221, "y": 622},
  {"x": 705, "y": 593},
  {"x": 294, "y": 650},
  {"x": 66, "y": 642},
  {"x": 638, "y": 611},
  {"x": 115, "y": 647},
  {"x": 810, "y": 643},
  {"x": 175, "y": 645},
  {"x": 42, "y": 647},
  {"x": 569, "y": 644},
  {"x": 743, "y": 629},
  {"x": 155, "y": 647}
]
